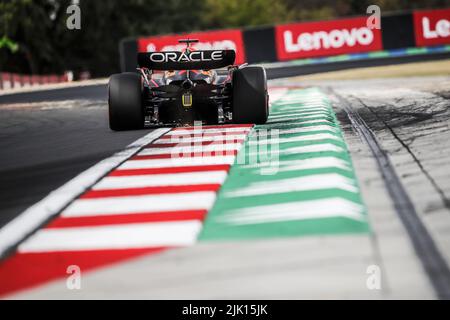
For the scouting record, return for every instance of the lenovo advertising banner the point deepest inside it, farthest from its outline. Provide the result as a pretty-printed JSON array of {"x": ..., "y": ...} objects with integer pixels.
[
  {"x": 432, "y": 27},
  {"x": 211, "y": 40},
  {"x": 326, "y": 38}
]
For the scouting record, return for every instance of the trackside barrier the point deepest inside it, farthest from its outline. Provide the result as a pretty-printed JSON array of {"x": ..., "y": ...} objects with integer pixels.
[
  {"x": 10, "y": 81},
  {"x": 432, "y": 27},
  {"x": 326, "y": 38},
  {"x": 399, "y": 30}
]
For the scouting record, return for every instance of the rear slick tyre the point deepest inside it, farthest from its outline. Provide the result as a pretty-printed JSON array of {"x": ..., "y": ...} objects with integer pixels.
[
  {"x": 125, "y": 102},
  {"x": 250, "y": 97}
]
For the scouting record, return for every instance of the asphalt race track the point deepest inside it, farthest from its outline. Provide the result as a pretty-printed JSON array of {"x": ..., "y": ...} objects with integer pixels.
[{"x": 382, "y": 158}]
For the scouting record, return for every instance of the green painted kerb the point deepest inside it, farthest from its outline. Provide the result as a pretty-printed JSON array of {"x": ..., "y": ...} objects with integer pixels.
[{"x": 292, "y": 177}]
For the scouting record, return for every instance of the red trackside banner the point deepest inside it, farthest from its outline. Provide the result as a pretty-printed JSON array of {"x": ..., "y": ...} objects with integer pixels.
[
  {"x": 211, "y": 40},
  {"x": 326, "y": 38},
  {"x": 432, "y": 27}
]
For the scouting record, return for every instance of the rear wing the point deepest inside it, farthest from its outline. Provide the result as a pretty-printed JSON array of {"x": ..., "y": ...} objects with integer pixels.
[{"x": 188, "y": 60}]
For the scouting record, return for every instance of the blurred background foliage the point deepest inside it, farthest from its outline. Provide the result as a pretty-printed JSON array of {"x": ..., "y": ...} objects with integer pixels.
[{"x": 34, "y": 37}]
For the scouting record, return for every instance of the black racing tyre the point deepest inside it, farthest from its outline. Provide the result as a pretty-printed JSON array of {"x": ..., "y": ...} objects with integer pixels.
[
  {"x": 250, "y": 97},
  {"x": 125, "y": 102}
]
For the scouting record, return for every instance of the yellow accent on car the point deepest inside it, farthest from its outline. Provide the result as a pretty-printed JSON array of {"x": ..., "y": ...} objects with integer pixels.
[{"x": 186, "y": 99}]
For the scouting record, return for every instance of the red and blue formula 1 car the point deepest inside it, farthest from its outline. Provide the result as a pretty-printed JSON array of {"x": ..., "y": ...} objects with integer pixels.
[{"x": 179, "y": 88}]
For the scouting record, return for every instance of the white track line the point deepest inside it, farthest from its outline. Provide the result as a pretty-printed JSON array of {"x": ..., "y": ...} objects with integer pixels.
[
  {"x": 205, "y": 130},
  {"x": 314, "y": 114},
  {"x": 300, "y": 122},
  {"x": 308, "y": 130},
  {"x": 314, "y": 209},
  {"x": 302, "y": 110},
  {"x": 307, "y": 183},
  {"x": 307, "y": 164},
  {"x": 326, "y": 147},
  {"x": 140, "y": 204},
  {"x": 177, "y": 162},
  {"x": 302, "y": 119},
  {"x": 126, "y": 236},
  {"x": 201, "y": 138},
  {"x": 323, "y": 147},
  {"x": 276, "y": 94},
  {"x": 175, "y": 179},
  {"x": 312, "y": 137},
  {"x": 194, "y": 148},
  {"x": 33, "y": 217}
]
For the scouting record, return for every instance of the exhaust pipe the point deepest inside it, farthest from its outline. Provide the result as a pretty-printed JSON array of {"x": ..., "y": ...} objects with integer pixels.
[{"x": 187, "y": 84}]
